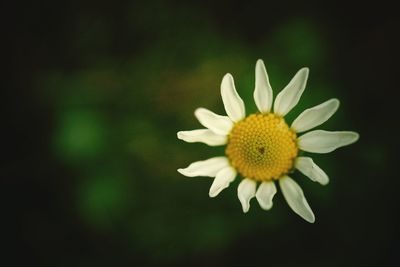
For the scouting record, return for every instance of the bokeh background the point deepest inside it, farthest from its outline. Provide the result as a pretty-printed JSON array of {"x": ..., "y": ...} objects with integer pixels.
[{"x": 95, "y": 91}]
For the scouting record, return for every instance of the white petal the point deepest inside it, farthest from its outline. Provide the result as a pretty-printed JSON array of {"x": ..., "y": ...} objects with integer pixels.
[
  {"x": 265, "y": 194},
  {"x": 204, "y": 136},
  {"x": 263, "y": 91},
  {"x": 320, "y": 141},
  {"x": 234, "y": 105},
  {"x": 222, "y": 180},
  {"x": 307, "y": 166},
  {"x": 209, "y": 167},
  {"x": 218, "y": 124},
  {"x": 290, "y": 95},
  {"x": 315, "y": 116},
  {"x": 295, "y": 198},
  {"x": 246, "y": 191}
]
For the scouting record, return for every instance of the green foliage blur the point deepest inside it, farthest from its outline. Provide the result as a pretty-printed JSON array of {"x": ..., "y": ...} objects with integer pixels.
[{"x": 114, "y": 82}]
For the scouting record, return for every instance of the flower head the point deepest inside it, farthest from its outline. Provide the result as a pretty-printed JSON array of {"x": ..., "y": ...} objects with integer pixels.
[{"x": 261, "y": 147}]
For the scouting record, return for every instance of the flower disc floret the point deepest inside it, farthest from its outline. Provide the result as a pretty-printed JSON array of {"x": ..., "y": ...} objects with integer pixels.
[{"x": 262, "y": 147}]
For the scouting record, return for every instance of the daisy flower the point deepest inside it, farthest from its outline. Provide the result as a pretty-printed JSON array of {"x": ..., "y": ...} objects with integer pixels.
[{"x": 261, "y": 147}]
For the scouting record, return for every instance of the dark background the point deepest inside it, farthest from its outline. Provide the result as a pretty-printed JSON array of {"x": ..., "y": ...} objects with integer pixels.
[{"x": 95, "y": 91}]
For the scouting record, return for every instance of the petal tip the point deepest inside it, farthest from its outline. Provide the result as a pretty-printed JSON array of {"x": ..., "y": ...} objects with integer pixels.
[
  {"x": 212, "y": 194},
  {"x": 305, "y": 69},
  {"x": 227, "y": 81},
  {"x": 266, "y": 207},
  {"x": 310, "y": 217},
  {"x": 311, "y": 220},
  {"x": 227, "y": 76},
  {"x": 353, "y": 137},
  {"x": 181, "y": 171},
  {"x": 246, "y": 209},
  {"x": 196, "y": 112},
  {"x": 336, "y": 104},
  {"x": 356, "y": 136}
]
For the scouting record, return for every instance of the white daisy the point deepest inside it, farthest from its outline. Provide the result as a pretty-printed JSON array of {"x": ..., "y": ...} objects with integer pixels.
[{"x": 261, "y": 147}]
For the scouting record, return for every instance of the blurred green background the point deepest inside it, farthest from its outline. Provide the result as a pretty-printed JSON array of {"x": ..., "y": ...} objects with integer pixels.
[{"x": 95, "y": 91}]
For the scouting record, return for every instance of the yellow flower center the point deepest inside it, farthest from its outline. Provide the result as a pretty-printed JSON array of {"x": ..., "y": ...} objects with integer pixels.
[{"x": 262, "y": 147}]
